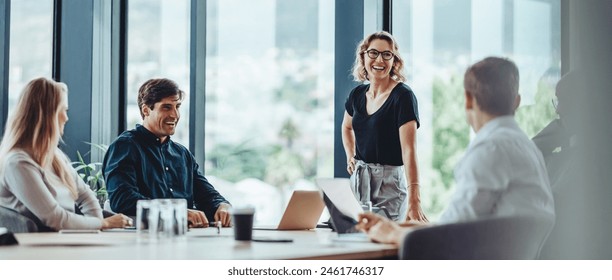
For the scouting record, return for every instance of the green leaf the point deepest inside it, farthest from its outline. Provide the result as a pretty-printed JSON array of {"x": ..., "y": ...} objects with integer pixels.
[
  {"x": 91, "y": 173},
  {"x": 102, "y": 147},
  {"x": 79, "y": 168}
]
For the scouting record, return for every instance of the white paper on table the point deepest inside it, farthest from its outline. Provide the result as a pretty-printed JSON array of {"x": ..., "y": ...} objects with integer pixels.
[{"x": 338, "y": 190}]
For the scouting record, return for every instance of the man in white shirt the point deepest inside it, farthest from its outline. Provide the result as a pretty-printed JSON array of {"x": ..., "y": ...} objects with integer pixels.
[{"x": 502, "y": 172}]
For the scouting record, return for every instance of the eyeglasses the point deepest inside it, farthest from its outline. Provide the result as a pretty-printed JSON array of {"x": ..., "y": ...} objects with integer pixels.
[
  {"x": 386, "y": 55},
  {"x": 555, "y": 102}
]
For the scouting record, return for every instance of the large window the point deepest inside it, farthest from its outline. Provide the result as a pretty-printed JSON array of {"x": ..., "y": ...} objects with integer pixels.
[
  {"x": 439, "y": 39},
  {"x": 158, "y": 47},
  {"x": 31, "y": 44},
  {"x": 269, "y": 126},
  {"x": 269, "y": 99}
]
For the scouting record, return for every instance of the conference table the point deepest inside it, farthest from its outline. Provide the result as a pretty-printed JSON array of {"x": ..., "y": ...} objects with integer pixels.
[{"x": 198, "y": 244}]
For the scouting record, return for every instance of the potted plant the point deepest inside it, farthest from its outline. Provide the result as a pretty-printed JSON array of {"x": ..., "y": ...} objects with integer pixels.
[{"x": 91, "y": 173}]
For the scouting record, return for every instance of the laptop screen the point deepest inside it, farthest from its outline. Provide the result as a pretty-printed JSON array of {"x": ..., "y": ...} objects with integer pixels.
[{"x": 340, "y": 222}]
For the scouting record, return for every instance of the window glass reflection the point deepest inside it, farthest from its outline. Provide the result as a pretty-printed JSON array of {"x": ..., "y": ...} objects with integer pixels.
[
  {"x": 158, "y": 46},
  {"x": 440, "y": 39},
  {"x": 269, "y": 99},
  {"x": 31, "y": 44}
]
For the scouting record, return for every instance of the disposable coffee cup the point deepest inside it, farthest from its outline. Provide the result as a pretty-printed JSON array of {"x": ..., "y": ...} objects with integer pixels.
[{"x": 243, "y": 223}]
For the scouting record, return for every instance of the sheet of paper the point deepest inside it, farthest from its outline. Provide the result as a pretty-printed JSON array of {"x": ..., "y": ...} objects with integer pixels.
[
  {"x": 339, "y": 192},
  {"x": 81, "y": 239}
]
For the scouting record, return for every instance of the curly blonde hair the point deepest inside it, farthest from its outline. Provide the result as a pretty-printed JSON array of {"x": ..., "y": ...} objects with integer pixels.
[{"x": 359, "y": 72}]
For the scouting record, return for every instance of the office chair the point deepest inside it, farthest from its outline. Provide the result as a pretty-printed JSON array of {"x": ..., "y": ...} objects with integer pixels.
[
  {"x": 492, "y": 238},
  {"x": 15, "y": 222}
]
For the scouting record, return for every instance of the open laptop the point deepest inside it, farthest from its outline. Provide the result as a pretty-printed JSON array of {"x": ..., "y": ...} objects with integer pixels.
[
  {"x": 302, "y": 212},
  {"x": 343, "y": 208}
]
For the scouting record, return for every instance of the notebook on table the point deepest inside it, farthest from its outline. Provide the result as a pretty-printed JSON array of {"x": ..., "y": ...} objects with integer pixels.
[{"x": 302, "y": 213}]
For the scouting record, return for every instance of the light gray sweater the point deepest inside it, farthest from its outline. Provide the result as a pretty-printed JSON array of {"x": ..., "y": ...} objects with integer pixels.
[{"x": 35, "y": 192}]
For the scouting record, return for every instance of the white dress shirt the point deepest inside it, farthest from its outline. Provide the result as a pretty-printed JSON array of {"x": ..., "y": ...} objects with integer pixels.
[{"x": 501, "y": 174}]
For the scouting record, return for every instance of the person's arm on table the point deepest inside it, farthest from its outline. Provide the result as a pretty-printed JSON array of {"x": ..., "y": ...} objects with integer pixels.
[
  {"x": 407, "y": 133},
  {"x": 209, "y": 200},
  {"x": 383, "y": 230},
  {"x": 39, "y": 200}
]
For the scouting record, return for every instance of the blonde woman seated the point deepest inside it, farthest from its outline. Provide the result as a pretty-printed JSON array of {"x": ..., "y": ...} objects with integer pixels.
[{"x": 36, "y": 178}]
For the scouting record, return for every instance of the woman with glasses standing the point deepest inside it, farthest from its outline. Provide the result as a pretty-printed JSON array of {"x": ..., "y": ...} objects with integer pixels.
[{"x": 379, "y": 131}]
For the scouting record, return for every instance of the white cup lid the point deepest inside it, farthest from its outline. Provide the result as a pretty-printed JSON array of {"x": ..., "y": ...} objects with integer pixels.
[{"x": 243, "y": 210}]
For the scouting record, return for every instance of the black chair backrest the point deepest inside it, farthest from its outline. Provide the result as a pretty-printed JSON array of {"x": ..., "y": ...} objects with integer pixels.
[
  {"x": 491, "y": 238},
  {"x": 15, "y": 222}
]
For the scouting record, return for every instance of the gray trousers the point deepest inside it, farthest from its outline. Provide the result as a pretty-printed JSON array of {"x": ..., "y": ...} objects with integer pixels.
[{"x": 383, "y": 185}]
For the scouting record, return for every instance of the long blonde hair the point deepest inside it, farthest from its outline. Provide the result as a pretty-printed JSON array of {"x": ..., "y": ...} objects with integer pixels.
[{"x": 34, "y": 128}]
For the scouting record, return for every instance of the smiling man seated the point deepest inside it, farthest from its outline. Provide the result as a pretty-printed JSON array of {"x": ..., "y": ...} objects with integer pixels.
[
  {"x": 502, "y": 172},
  {"x": 144, "y": 163}
]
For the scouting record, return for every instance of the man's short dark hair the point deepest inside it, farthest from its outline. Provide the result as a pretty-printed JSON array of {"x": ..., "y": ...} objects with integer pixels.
[
  {"x": 494, "y": 82},
  {"x": 154, "y": 90}
]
